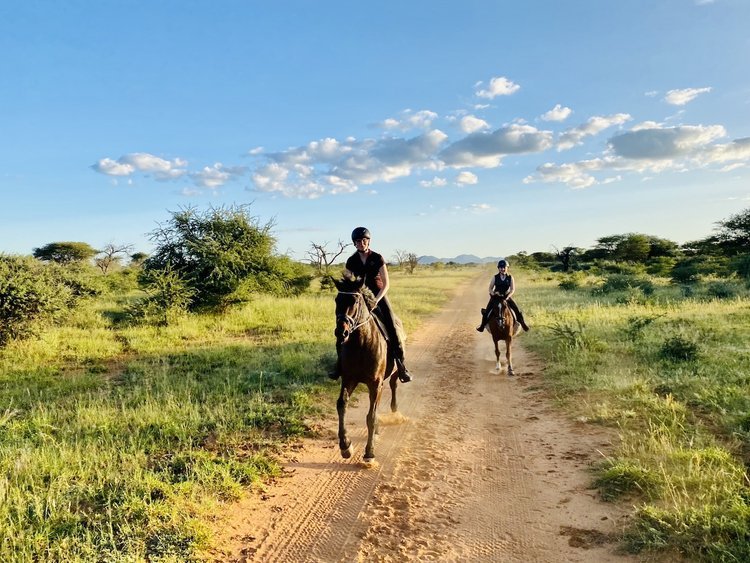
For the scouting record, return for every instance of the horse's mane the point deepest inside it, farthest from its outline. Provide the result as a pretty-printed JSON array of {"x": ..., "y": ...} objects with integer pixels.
[{"x": 354, "y": 284}]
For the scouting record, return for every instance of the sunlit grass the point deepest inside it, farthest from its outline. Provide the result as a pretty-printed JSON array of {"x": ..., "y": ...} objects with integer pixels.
[
  {"x": 672, "y": 374},
  {"x": 117, "y": 442}
]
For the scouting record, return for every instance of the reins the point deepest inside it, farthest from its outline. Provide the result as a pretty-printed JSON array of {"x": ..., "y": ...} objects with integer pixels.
[{"x": 349, "y": 319}]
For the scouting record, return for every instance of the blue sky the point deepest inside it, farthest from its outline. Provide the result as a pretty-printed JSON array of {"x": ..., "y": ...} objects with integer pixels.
[{"x": 485, "y": 127}]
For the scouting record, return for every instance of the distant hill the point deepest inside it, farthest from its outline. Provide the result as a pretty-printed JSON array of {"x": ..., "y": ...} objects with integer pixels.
[{"x": 460, "y": 259}]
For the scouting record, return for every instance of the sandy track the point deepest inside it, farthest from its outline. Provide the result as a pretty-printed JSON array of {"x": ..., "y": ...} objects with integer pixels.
[{"x": 476, "y": 467}]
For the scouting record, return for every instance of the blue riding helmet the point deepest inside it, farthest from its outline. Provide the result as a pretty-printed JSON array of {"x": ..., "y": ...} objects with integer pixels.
[{"x": 502, "y": 264}]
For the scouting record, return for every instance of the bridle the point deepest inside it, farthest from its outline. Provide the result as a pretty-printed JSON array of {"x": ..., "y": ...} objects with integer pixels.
[{"x": 349, "y": 324}]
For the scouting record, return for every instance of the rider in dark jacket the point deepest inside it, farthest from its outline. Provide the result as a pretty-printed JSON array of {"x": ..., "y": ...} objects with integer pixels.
[
  {"x": 502, "y": 287},
  {"x": 368, "y": 264}
]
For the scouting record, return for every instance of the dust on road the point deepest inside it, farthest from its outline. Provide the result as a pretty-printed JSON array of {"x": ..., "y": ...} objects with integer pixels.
[{"x": 477, "y": 466}]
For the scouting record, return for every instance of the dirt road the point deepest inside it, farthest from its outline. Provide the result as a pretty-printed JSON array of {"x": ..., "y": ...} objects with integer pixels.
[{"x": 476, "y": 467}]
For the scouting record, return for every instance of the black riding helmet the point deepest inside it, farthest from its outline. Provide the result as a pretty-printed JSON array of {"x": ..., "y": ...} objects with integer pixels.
[
  {"x": 502, "y": 264},
  {"x": 360, "y": 232}
]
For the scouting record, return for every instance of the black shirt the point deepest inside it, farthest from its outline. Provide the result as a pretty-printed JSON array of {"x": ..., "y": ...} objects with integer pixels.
[
  {"x": 502, "y": 286},
  {"x": 369, "y": 270}
]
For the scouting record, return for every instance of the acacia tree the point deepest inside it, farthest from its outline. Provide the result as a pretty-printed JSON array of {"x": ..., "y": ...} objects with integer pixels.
[
  {"x": 734, "y": 234},
  {"x": 110, "y": 255},
  {"x": 322, "y": 258},
  {"x": 65, "y": 252}
]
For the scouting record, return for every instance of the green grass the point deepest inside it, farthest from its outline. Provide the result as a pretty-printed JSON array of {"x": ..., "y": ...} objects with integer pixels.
[
  {"x": 672, "y": 374},
  {"x": 118, "y": 443}
]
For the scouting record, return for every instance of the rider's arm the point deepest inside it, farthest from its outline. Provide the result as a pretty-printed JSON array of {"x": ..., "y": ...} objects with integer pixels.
[
  {"x": 383, "y": 274},
  {"x": 512, "y": 287},
  {"x": 491, "y": 288}
]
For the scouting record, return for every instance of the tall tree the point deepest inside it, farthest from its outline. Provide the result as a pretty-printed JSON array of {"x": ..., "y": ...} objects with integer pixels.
[
  {"x": 734, "y": 234},
  {"x": 65, "y": 252}
]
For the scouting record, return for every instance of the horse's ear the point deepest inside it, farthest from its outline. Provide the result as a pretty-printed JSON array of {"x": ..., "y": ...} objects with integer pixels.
[
  {"x": 339, "y": 284},
  {"x": 359, "y": 282}
]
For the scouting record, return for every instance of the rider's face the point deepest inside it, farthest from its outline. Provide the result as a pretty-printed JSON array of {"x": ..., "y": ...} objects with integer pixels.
[{"x": 362, "y": 244}]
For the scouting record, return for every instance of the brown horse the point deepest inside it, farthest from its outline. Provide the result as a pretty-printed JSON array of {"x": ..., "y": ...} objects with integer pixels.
[
  {"x": 364, "y": 358},
  {"x": 502, "y": 325}
]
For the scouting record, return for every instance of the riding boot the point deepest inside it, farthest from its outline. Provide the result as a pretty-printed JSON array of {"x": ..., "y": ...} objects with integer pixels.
[
  {"x": 485, "y": 320},
  {"x": 523, "y": 324},
  {"x": 403, "y": 374}
]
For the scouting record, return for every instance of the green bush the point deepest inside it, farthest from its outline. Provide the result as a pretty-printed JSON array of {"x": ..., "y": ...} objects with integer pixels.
[
  {"x": 167, "y": 298},
  {"x": 224, "y": 255},
  {"x": 722, "y": 290},
  {"x": 679, "y": 349},
  {"x": 32, "y": 292}
]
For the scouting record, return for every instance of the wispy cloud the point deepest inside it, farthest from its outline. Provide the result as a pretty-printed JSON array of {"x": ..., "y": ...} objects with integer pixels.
[
  {"x": 575, "y": 136},
  {"x": 684, "y": 96},
  {"x": 486, "y": 150},
  {"x": 410, "y": 120}
]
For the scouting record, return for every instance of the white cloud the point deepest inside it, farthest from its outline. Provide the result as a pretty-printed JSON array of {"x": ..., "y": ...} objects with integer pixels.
[
  {"x": 113, "y": 168},
  {"x": 647, "y": 149},
  {"x": 147, "y": 163},
  {"x": 486, "y": 150},
  {"x": 682, "y": 97},
  {"x": 466, "y": 178},
  {"x": 411, "y": 120},
  {"x": 331, "y": 167},
  {"x": 664, "y": 143},
  {"x": 256, "y": 151},
  {"x": 471, "y": 124},
  {"x": 572, "y": 137},
  {"x": 499, "y": 86},
  {"x": 215, "y": 176},
  {"x": 434, "y": 183},
  {"x": 557, "y": 113}
]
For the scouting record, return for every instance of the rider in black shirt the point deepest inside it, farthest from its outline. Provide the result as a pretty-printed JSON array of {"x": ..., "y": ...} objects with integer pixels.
[{"x": 368, "y": 264}]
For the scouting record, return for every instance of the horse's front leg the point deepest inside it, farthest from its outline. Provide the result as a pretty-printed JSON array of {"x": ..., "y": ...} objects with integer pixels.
[
  {"x": 508, "y": 344},
  {"x": 372, "y": 422},
  {"x": 345, "y": 444},
  {"x": 497, "y": 355}
]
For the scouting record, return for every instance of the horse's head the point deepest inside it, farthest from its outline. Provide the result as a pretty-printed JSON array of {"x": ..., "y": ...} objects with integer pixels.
[{"x": 351, "y": 307}]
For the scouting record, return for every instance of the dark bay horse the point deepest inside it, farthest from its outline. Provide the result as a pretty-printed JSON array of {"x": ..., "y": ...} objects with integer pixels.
[
  {"x": 364, "y": 358},
  {"x": 502, "y": 325}
]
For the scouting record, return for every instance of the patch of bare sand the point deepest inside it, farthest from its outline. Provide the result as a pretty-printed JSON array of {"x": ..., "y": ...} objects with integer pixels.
[{"x": 476, "y": 466}]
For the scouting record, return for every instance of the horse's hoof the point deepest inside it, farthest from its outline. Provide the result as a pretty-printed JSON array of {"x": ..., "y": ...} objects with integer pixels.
[
  {"x": 347, "y": 453},
  {"x": 511, "y": 372},
  {"x": 368, "y": 459}
]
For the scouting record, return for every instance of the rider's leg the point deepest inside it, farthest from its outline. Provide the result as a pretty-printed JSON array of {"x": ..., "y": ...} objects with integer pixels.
[
  {"x": 491, "y": 304},
  {"x": 519, "y": 314},
  {"x": 383, "y": 310}
]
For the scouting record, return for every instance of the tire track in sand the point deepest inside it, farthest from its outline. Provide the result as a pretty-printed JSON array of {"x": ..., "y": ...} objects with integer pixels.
[{"x": 476, "y": 468}]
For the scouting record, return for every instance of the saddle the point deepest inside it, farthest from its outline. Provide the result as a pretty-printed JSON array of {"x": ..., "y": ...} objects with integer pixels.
[{"x": 499, "y": 319}]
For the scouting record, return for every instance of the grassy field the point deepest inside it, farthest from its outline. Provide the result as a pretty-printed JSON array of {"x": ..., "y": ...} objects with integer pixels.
[
  {"x": 118, "y": 443},
  {"x": 670, "y": 369}
]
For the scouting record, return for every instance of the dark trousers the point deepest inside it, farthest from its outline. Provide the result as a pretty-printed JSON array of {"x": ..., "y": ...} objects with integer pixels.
[
  {"x": 384, "y": 312},
  {"x": 494, "y": 302}
]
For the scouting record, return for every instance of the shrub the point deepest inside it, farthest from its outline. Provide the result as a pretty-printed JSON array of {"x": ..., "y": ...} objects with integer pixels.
[
  {"x": 168, "y": 298},
  {"x": 679, "y": 349},
  {"x": 32, "y": 293},
  {"x": 570, "y": 283},
  {"x": 722, "y": 290},
  {"x": 223, "y": 256}
]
